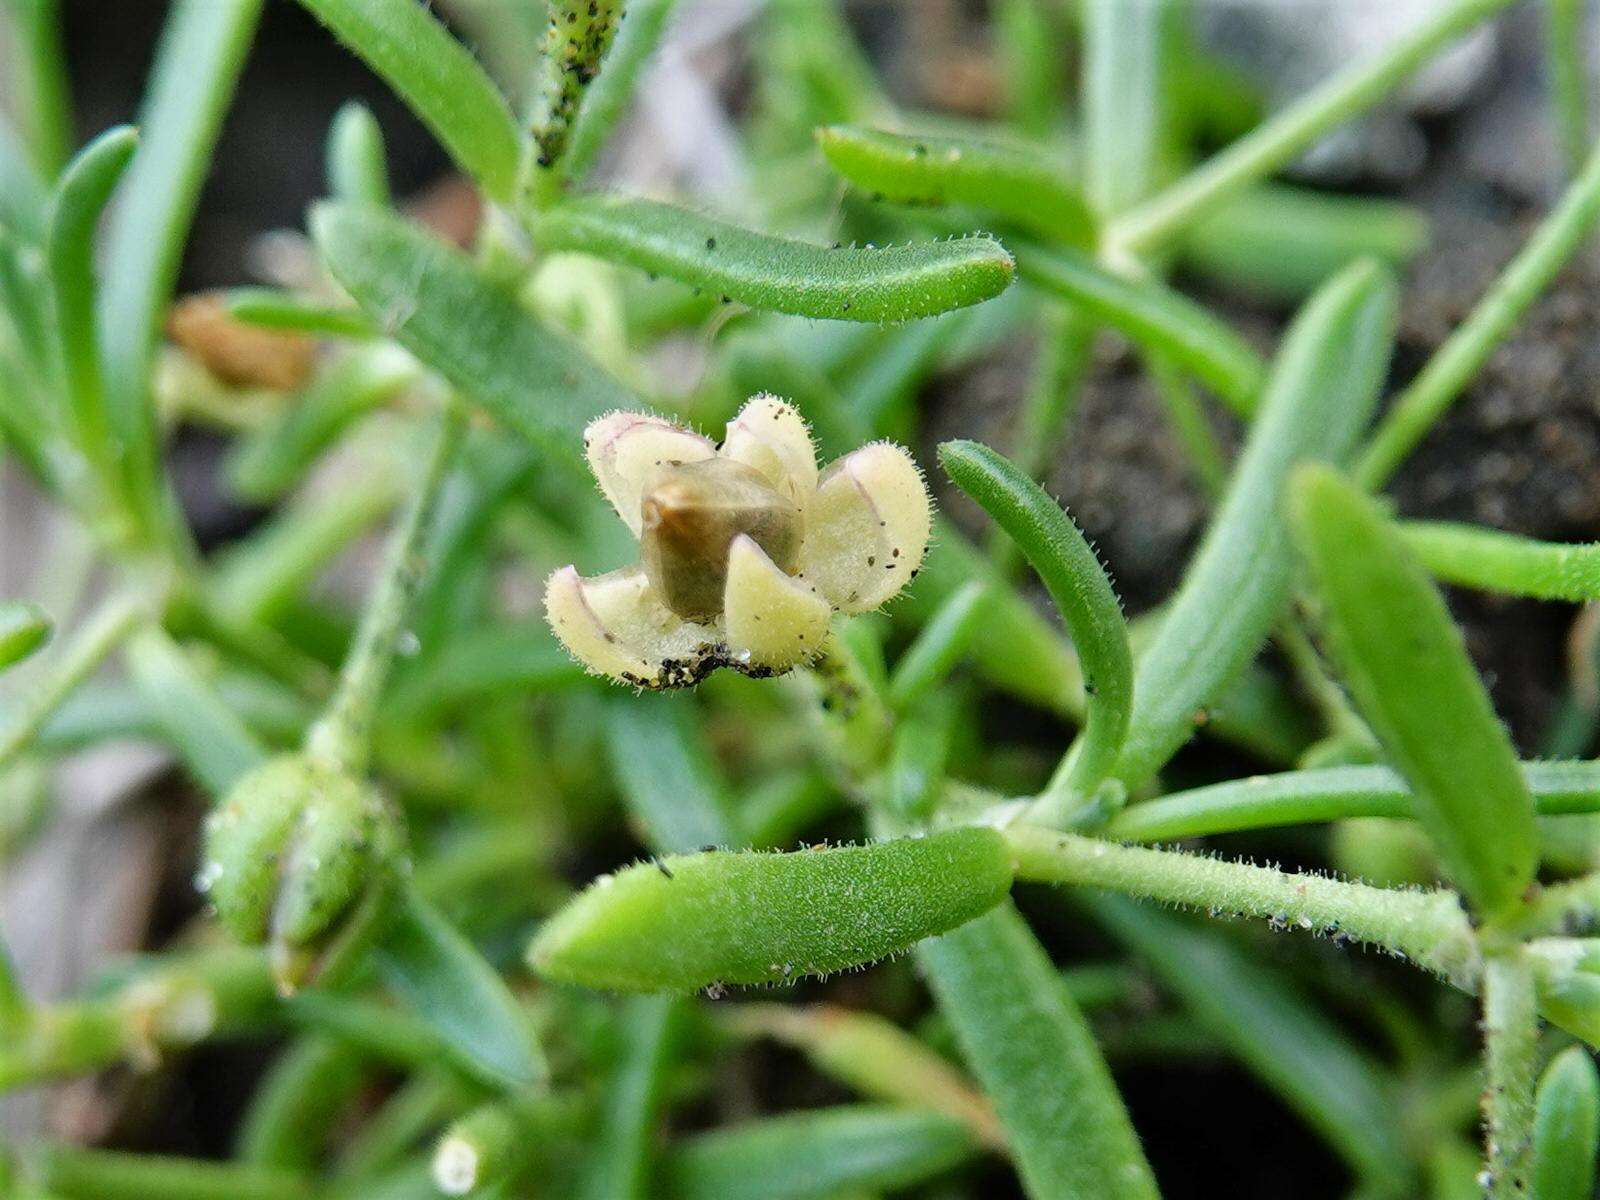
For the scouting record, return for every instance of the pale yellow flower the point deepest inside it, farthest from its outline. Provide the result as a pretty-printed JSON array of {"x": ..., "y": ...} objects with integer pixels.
[{"x": 747, "y": 551}]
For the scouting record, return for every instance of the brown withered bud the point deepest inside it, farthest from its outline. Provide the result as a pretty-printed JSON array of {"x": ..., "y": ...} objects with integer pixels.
[{"x": 691, "y": 514}]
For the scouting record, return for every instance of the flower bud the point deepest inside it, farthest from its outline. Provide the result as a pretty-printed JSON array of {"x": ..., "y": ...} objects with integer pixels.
[{"x": 289, "y": 853}]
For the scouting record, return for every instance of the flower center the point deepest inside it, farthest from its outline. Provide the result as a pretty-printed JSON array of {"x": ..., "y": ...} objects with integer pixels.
[{"x": 692, "y": 512}]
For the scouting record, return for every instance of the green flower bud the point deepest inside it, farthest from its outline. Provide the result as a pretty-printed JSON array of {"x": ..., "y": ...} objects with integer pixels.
[{"x": 289, "y": 853}]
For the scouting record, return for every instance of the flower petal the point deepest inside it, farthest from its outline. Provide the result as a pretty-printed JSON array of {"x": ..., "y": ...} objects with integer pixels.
[
  {"x": 770, "y": 435},
  {"x": 626, "y": 448},
  {"x": 615, "y": 625},
  {"x": 867, "y": 529},
  {"x": 773, "y": 620}
]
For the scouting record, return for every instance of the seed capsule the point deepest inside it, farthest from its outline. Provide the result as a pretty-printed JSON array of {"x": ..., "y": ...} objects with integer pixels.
[{"x": 691, "y": 514}]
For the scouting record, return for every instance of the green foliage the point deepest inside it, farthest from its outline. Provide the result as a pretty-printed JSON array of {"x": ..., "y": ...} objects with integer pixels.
[
  {"x": 24, "y": 628},
  {"x": 690, "y": 921},
  {"x": 1408, "y": 671},
  {"x": 411, "y": 776},
  {"x": 1014, "y": 182},
  {"x": 450, "y": 986},
  {"x": 1323, "y": 385},
  {"x": 1077, "y": 582},
  {"x": 1032, "y": 1051},
  {"x": 807, "y": 1156},
  {"x": 439, "y": 80},
  {"x": 842, "y": 283},
  {"x": 1566, "y": 1130},
  {"x": 471, "y": 330}
]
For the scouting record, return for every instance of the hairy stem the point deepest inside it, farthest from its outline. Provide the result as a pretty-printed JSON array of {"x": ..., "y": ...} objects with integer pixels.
[
  {"x": 1511, "y": 1043},
  {"x": 343, "y": 735},
  {"x": 1429, "y": 928}
]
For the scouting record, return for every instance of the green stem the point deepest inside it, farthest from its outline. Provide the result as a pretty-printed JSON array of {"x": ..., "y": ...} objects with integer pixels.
[
  {"x": 1511, "y": 1050},
  {"x": 1066, "y": 343},
  {"x": 1324, "y": 691},
  {"x": 150, "y": 1015},
  {"x": 71, "y": 1172},
  {"x": 1453, "y": 365},
  {"x": 1188, "y": 421},
  {"x": 1338, "y": 793},
  {"x": 1429, "y": 928},
  {"x": 41, "y": 92},
  {"x": 14, "y": 1003},
  {"x": 342, "y": 737},
  {"x": 113, "y": 621},
  {"x": 1565, "y": 53},
  {"x": 1275, "y": 142}
]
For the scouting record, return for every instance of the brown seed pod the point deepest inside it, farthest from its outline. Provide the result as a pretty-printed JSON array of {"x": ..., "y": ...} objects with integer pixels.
[{"x": 691, "y": 514}]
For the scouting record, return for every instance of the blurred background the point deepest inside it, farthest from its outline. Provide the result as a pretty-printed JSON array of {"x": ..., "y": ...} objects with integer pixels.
[{"x": 1469, "y": 144}]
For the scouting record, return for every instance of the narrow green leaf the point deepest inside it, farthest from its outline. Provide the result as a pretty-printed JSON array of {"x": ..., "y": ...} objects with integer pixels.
[
  {"x": 1446, "y": 375},
  {"x": 1275, "y": 142},
  {"x": 644, "y": 23},
  {"x": 201, "y": 54},
  {"x": 74, "y": 1173},
  {"x": 1157, "y": 317},
  {"x": 1274, "y": 1030},
  {"x": 271, "y": 309},
  {"x": 690, "y": 921},
  {"x": 69, "y": 665},
  {"x": 1122, "y": 100},
  {"x": 1077, "y": 583},
  {"x": 211, "y": 740},
  {"x": 939, "y": 644},
  {"x": 39, "y": 90},
  {"x": 1566, "y": 1128},
  {"x": 1324, "y": 384},
  {"x": 1493, "y": 561},
  {"x": 438, "y": 79},
  {"x": 818, "y": 1155},
  {"x": 847, "y": 283},
  {"x": 1284, "y": 242},
  {"x": 80, "y": 199},
  {"x": 257, "y": 579},
  {"x": 357, "y": 166},
  {"x": 431, "y": 299},
  {"x": 491, "y": 660},
  {"x": 919, "y": 757},
  {"x": 1015, "y": 181},
  {"x": 1327, "y": 794},
  {"x": 1408, "y": 671},
  {"x": 268, "y": 462},
  {"x": 450, "y": 987},
  {"x": 1028, "y": 38},
  {"x": 24, "y": 199},
  {"x": 618, "y": 1167},
  {"x": 24, "y": 628},
  {"x": 1020, "y": 652},
  {"x": 660, "y": 760},
  {"x": 297, "y": 1104},
  {"x": 1567, "y": 71},
  {"x": 1035, "y": 1056}
]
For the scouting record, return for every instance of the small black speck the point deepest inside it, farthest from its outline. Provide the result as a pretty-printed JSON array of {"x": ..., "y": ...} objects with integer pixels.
[{"x": 711, "y": 243}]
